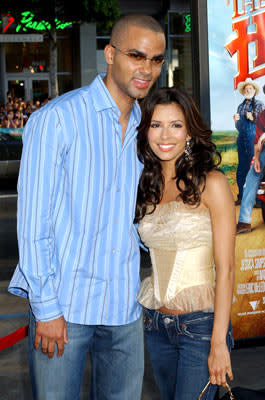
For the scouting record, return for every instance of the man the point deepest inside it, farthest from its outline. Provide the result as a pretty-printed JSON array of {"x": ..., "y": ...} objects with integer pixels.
[
  {"x": 245, "y": 121},
  {"x": 78, "y": 247},
  {"x": 254, "y": 177}
]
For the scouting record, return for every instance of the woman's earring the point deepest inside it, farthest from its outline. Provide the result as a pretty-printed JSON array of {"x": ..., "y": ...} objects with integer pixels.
[{"x": 188, "y": 150}]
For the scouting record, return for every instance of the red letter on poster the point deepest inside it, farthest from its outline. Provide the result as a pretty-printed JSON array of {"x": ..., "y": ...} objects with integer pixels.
[{"x": 240, "y": 45}]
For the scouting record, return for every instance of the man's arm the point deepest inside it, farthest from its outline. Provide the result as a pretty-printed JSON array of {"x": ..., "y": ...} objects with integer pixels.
[
  {"x": 256, "y": 158},
  {"x": 41, "y": 163},
  {"x": 259, "y": 140}
]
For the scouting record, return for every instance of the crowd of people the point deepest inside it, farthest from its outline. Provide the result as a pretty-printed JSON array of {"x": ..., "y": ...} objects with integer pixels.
[{"x": 16, "y": 112}]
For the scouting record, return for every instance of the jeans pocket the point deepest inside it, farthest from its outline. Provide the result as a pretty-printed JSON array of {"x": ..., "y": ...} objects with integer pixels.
[
  {"x": 148, "y": 319},
  {"x": 199, "y": 328}
]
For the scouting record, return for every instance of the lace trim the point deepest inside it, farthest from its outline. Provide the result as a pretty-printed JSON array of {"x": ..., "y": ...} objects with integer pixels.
[{"x": 195, "y": 298}]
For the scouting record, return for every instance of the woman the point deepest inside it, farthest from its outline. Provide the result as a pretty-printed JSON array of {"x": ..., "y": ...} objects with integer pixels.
[{"x": 186, "y": 216}]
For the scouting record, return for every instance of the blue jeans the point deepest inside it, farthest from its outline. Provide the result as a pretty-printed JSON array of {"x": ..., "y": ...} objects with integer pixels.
[
  {"x": 245, "y": 149},
  {"x": 250, "y": 190},
  {"x": 116, "y": 357},
  {"x": 178, "y": 347}
]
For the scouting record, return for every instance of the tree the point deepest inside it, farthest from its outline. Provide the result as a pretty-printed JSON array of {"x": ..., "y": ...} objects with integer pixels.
[{"x": 51, "y": 14}]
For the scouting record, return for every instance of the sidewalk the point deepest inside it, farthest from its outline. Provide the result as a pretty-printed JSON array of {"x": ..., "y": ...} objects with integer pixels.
[{"x": 248, "y": 363}]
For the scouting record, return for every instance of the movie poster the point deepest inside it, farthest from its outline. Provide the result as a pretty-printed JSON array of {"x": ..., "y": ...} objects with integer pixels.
[{"x": 236, "y": 32}]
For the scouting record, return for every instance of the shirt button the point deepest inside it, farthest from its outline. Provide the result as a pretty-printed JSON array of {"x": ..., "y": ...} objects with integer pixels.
[
  {"x": 113, "y": 250},
  {"x": 115, "y": 220},
  {"x": 167, "y": 320},
  {"x": 110, "y": 279},
  {"x": 118, "y": 190}
]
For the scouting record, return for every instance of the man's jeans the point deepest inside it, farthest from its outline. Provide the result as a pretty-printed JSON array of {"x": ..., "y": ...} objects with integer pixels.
[
  {"x": 245, "y": 149},
  {"x": 178, "y": 347},
  {"x": 116, "y": 356},
  {"x": 250, "y": 190}
]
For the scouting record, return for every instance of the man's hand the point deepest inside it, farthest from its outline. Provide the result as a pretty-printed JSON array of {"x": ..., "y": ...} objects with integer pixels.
[
  {"x": 50, "y": 333},
  {"x": 257, "y": 165},
  {"x": 236, "y": 117},
  {"x": 249, "y": 116}
]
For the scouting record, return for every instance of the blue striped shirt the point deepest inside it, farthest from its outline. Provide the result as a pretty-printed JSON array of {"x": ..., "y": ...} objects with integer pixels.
[{"x": 77, "y": 187}]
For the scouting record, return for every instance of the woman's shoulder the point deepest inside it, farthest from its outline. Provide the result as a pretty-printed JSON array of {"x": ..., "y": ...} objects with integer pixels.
[
  {"x": 216, "y": 187},
  {"x": 215, "y": 178},
  {"x": 215, "y": 175}
]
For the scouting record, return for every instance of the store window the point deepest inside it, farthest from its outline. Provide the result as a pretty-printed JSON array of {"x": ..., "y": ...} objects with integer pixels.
[
  {"x": 65, "y": 82},
  {"x": 179, "y": 48},
  {"x": 27, "y": 57},
  {"x": 64, "y": 53},
  {"x": 65, "y": 62}
]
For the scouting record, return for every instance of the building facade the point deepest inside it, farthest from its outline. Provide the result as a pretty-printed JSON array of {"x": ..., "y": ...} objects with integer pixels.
[{"x": 25, "y": 53}]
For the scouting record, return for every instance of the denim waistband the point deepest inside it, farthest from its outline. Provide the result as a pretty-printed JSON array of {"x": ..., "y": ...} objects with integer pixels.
[{"x": 179, "y": 319}]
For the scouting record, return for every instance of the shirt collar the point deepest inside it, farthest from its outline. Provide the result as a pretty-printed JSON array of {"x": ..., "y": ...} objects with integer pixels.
[{"x": 103, "y": 100}]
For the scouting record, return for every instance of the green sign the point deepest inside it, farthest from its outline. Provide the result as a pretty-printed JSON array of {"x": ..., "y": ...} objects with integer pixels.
[
  {"x": 187, "y": 19},
  {"x": 27, "y": 22}
]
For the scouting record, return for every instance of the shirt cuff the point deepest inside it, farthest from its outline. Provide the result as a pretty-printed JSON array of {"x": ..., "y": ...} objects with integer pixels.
[{"x": 46, "y": 311}]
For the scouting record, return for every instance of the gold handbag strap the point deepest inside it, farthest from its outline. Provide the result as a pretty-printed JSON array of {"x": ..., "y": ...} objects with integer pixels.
[{"x": 232, "y": 397}]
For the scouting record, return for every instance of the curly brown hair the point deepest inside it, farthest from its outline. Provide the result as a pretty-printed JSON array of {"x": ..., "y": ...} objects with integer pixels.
[{"x": 191, "y": 170}]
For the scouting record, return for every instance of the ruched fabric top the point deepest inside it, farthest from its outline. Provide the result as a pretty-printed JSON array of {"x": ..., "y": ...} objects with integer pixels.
[{"x": 179, "y": 238}]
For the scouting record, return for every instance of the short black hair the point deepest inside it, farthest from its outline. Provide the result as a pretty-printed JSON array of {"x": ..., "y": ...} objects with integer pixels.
[{"x": 140, "y": 20}]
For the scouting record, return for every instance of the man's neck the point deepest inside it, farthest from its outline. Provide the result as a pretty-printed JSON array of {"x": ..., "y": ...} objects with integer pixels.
[{"x": 123, "y": 101}]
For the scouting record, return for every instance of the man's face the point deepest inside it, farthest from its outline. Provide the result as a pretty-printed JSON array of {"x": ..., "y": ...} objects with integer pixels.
[
  {"x": 249, "y": 91},
  {"x": 129, "y": 77}
]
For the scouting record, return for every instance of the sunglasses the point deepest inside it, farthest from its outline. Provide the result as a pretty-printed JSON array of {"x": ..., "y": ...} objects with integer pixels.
[{"x": 139, "y": 58}]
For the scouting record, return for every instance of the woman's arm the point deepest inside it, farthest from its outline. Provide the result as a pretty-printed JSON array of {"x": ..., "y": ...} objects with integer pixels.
[{"x": 218, "y": 198}]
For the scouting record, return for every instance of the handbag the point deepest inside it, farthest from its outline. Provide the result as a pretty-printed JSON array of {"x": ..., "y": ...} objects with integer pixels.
[{"x": 231, "y": 396}]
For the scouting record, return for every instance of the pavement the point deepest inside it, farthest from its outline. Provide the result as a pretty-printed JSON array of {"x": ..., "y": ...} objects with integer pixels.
[{"x": 248, "y": 362}]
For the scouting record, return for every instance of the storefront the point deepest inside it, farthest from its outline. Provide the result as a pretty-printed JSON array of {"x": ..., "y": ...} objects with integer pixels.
[
  {"x": 25, "y": 54},
  {"x": 25, "y": 59}
]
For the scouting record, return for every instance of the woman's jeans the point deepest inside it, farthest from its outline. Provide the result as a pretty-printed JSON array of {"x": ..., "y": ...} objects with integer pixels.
[
  {"x": 178, "y": 347},
  {"x": 117, "y": 363}
]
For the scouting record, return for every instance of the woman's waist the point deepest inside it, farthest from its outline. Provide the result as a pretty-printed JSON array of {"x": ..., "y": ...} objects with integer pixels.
[
  {"x": 188, "y": 261},
  {"x": 168, "y": 311}
]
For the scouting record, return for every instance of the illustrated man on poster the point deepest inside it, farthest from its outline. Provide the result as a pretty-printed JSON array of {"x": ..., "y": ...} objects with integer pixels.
[
  {"x": 254, "y": 176},
  {"x": 245, "y": 122}
]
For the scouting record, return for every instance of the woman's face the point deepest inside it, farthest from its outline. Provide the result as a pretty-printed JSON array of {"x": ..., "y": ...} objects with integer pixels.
[{"x": 167, "y": 134}]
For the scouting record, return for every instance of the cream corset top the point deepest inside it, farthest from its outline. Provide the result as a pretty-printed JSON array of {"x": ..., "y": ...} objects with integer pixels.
[{"x": 179, "y": 238}]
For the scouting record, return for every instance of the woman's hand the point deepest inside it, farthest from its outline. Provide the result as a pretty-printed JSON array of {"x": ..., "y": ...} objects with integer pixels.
[{"x": 219, "y": 364}]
